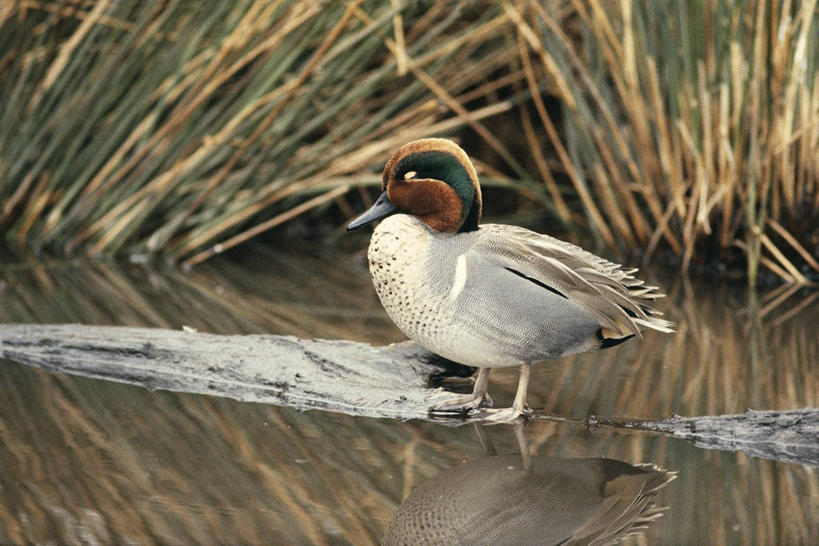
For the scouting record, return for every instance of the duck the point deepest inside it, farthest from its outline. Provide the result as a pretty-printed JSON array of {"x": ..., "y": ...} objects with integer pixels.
[
  {"x": 552, "y": 500},
  {"x": 489, "y": 295}
]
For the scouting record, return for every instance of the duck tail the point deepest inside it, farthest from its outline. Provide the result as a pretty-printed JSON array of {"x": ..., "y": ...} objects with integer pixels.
[
  {"x": 610, "y": 338},
  {"x": 655, "y": 323},
  {"x": 607, "y": 340}
]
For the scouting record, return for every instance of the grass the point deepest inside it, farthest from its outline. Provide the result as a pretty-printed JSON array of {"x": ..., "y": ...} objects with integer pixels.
[
  {"x": 692, "y": 124},
  {"x": 171, "y": 126},
  {"x": 186, "y": 128}
]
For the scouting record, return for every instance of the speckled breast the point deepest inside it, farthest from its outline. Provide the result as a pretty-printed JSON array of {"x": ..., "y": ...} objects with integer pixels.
[{"x": 409, "y": 284}]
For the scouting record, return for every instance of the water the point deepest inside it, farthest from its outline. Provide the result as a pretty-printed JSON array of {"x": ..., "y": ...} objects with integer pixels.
[{"x": 85, "y": 460}]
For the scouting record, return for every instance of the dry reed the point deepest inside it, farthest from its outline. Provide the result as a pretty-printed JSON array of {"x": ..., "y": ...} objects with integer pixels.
[
  {"x": 692, "y": 123},
  {"x": 185, "y": 128}
]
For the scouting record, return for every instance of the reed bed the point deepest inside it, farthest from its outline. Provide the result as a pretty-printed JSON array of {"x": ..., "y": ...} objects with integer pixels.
[
  {"x": 186, "y": 128},
  {"x": 692, "y": 124}
]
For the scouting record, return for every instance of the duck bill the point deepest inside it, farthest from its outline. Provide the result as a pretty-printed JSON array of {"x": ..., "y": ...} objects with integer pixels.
[{"x": 381, "y": 209}]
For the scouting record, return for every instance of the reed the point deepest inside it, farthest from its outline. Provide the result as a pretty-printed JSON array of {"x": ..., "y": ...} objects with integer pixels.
[
  {"x": 188, "y": 127},
  {"x": 185, "y": 128},
  {"x": 691, "y": 124}
]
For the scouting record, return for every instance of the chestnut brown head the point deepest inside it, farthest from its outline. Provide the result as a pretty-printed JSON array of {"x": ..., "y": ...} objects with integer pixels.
[{"x": 432, "y": 179}]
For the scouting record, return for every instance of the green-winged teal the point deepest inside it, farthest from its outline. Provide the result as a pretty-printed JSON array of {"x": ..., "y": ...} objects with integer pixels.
[
  {"x": 493, "y": 295},
  {"x": 496, "y": 500}
]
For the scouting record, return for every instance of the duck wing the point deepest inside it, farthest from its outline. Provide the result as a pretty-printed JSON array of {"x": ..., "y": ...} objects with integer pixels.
[{"x": 617, "y": 299}]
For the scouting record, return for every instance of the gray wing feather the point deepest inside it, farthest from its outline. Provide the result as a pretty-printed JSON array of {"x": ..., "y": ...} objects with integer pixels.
[{"x": 618, "y": 300}]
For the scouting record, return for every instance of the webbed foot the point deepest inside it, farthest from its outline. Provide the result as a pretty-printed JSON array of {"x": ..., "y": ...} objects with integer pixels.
[
  {"x": 447, "y": 403},
  {"x": 496, "y": 416},
  {"x": 519, "y": 409}
]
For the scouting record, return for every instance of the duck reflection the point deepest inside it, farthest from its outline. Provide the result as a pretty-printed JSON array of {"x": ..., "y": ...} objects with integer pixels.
[{"x": 509, "y": 499}]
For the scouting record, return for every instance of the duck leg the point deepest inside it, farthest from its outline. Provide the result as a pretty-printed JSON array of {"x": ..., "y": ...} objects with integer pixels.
[
  {"x": 448, "y": 403},
  {"x": 507, "y": 415},
  {"x": 523, "y": 444}
]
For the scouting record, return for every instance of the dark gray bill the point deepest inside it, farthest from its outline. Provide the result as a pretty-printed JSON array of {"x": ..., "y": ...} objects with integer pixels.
[{"x": 381, "y": 209}]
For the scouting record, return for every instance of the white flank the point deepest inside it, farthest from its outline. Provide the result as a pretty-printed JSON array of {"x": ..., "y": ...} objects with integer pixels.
[{"x": 460, "y": 278}]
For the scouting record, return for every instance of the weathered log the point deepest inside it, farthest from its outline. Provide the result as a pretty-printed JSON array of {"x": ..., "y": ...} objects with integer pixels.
[
  {"x": 791, "y": 435},
  {"x": 788, "y": 435},
  {"x": 342, "y": 376}
]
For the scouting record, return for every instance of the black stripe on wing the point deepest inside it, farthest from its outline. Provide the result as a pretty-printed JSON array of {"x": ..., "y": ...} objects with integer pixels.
[{"x": 537, "y": 282}]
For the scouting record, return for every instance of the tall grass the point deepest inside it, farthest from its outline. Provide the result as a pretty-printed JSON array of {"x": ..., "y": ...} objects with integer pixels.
[
  {"x": 185, "y": 128},
  {"x": 694, "y": 124},
  {"x": 170, "y": 126}
]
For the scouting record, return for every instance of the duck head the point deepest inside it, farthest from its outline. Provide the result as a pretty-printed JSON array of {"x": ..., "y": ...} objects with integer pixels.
[{"x": 432, "y": 179}]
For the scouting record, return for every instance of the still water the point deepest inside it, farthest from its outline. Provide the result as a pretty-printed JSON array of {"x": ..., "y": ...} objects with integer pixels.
[{"x": 85, "y": 461}]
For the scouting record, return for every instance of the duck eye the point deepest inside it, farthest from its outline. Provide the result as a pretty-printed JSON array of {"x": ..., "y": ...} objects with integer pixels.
[{"x": 409, "y": 175}]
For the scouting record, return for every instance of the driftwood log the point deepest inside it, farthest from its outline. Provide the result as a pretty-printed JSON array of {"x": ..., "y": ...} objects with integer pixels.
[{"x": 342, "y": 376}]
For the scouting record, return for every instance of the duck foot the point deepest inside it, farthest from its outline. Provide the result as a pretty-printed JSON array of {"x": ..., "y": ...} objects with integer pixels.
[
  {"x": 447, "y": 404},
  {"x": 519, "y": 409},
  {"x": 496, "y": 416}
]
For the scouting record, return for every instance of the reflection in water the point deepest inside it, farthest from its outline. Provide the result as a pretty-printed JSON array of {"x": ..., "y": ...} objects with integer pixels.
[
  {"x": 724, "y": 334},
  {"x": 115, "y": 463},
  {"x": 495, "y": 500}
]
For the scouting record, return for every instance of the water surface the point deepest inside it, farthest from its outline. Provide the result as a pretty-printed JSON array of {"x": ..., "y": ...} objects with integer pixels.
[{"x": 88, "y": 460}]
